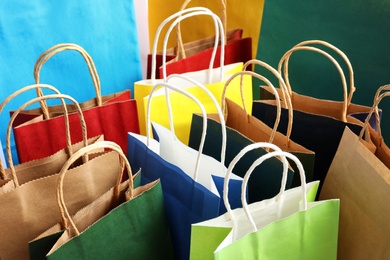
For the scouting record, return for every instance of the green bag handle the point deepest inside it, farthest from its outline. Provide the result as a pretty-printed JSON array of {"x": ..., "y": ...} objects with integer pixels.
[
  {"x": 45, "y": 56},
  {"x": 285, "y": 60},
  {"x": 285, "y": 168},
  {"x": 38, "y": 99},
  {"x": 66, "y": 218}
]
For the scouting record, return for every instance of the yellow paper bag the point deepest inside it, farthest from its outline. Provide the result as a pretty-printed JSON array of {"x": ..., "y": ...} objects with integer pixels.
[{"x": 182, "y": 110}]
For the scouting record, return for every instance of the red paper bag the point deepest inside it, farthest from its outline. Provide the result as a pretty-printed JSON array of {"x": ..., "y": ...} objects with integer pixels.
[{"x": 113, "y": 116}]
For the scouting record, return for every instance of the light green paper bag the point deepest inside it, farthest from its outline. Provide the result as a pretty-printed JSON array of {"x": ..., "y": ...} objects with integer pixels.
[
  {"x": 284, "y": 230},
  {"x": 208, "y": 235}
]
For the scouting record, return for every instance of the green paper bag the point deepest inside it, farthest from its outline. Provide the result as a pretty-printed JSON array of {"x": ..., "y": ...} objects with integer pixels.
[
  {"x": 40, "y": 246},
  {"x": 239, "y": 119},
  {"x": 309, "y": 234},
  {"x": 123, "y": 222},
  {"x": 206, "y": 236},
  {"x": 285, "y": 229}
]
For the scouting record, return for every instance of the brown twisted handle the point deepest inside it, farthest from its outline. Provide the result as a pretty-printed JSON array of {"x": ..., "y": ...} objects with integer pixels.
[
  {"x": 35, "y": 100},
  {"x": 283, "y": 86},
  {"x": 253, "y": 74},
  {"x": 45, "y": 56},
  {"x": 66, "y": 218},
  {"x": 285, "y": 60},
  {"x": 374, "y": 109}
]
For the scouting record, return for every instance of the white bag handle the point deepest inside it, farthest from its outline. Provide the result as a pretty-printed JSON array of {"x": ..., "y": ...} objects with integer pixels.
[
  {"x": 257, "y": 163},
  {"x": 217, "y": 22},
  {"x": 199, "y": 11},
  {"x": 189, "y": 95},
  {"x": 246, "y": 149},
  {"x": 219, "y": 111}
]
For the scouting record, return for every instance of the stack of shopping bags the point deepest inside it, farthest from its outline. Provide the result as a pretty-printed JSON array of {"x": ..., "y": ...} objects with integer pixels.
[{"x": 188, "y": 164}]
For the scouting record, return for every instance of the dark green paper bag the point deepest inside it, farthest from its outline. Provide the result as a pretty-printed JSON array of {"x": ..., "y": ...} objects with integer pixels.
[
  {"x": 39, "y": 247},
  {"x": 123, "y": 222},
  {"x": 263, "y": 185}
]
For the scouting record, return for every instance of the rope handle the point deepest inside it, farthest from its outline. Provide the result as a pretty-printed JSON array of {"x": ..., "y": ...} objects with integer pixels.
[
  {"x": 285, "y": 168},
  {"x": 245, "y": 150},
  {"x": 35, "y": 100},
  {"x": 179, "y": 39},
  {"x": 46, "y": 55},
  {"x": 285, "y": 60},
  {"x": 219, "y": 111},
  {"x": 374, "y": 109},
  {"x": 255, "y": 75},
  {"x": 65, "y": 216}
]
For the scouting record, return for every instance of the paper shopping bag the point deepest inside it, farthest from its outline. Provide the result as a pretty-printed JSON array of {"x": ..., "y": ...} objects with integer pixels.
[
  {"x": 239, "y": 119},
  {"x": 382, "y": 151},
  {"x": 360, "y": 178},
  {"x": 130, "y": 220},
  {"x": 338, "y": 23},
  {"x": 74, "y": 21},
  {"x": 193, "y": 48},
  {"x": 187, "y": 197},
  {"x": 213, "y": 79},
  {"x": 318, "y": 124},
  {"x": 265, "y": 184},
  {"x": 284, "y": 229},
  {"x": 46, "y": 166},
  {"x": 21, "y": 207},
  {"x": 24, "y": 204},
  {"x": 113, "y": 116},
  {"x": 202, "y": 168},
  {"x": 206, "y": 236},
  {"x": 186, "y": 201},
  {"x": 363, "y": 215},
  {"x": 236, "y": 49}
]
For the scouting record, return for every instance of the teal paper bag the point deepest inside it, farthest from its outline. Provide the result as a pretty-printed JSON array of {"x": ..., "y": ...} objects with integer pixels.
[{"x": 359, "y": 28}]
